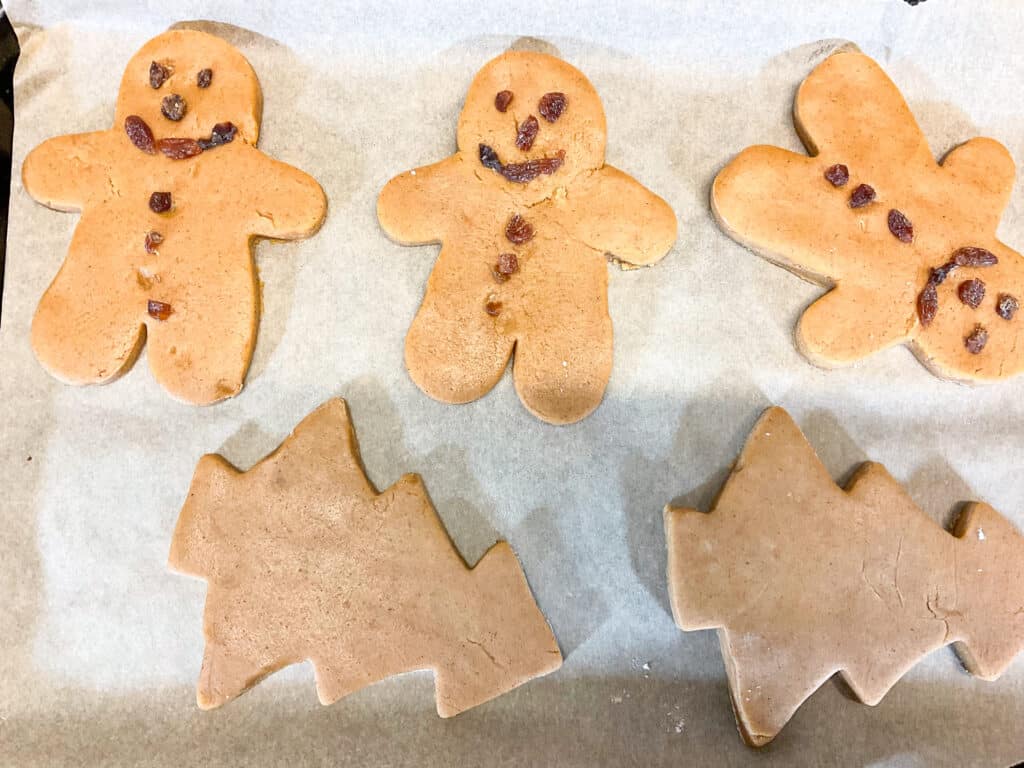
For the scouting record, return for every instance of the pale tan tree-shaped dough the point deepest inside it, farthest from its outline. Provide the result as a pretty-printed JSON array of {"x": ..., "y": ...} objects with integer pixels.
[
  {"x": 803, "y": 579},
  {"x": 779, "y": 204},
  {"x": 93, "y": 319},
  {"x": 305, "y": 560},
  {"x": 554, "y": 310}
]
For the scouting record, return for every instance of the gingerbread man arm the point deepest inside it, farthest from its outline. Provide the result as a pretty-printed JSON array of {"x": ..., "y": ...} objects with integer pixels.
[
  {"x": 65, "y": 171},
  {"x": 284, "y": 203},
  {"x": 414, "y": 207},
  {"x": 617, "y": 215}
]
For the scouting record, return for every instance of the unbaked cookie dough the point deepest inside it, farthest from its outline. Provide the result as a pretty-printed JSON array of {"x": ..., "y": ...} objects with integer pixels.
[
  {"x": 526, "y": 211},
  {"x": 171, "y": 198},
  {"x": 305, "y": 560},
  {"x": 803, "y": 579},
  {"x": 906, "y": 245}
]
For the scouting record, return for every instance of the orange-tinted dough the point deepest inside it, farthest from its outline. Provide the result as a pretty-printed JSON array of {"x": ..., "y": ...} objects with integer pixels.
[
  {"x": 554, "y": 310},
  {"x": 779, "y": 204},
  {"x": 305, "y": 560},
  {"x": 93, "y": 319},
  {"x": 803, "y": 579}
]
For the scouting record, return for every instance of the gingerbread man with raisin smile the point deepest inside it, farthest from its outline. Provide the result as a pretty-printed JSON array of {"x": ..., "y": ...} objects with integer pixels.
[
  {"x": 171, "y": 198},
  {"x": 526, "y": 211}
]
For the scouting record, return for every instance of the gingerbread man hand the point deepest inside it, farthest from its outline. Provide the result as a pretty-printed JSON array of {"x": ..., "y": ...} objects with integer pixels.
[
  {"x": 171, "y": 198},
  {"x": 526, "y": 211},
  {"x": 873, "y": 216}
]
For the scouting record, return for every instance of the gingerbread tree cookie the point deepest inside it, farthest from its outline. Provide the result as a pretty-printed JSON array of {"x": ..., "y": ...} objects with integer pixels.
[
  {"x": 907, "y": 246},
  {"x": 305, "y": 560},
  {"x": 803, "y": 579},
  {"x": 171, "y": 198},
  {"x": 526, "y": 211}
]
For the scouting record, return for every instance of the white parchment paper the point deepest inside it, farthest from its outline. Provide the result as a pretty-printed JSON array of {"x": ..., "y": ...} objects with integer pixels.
[{"x": 100, "y": 645}]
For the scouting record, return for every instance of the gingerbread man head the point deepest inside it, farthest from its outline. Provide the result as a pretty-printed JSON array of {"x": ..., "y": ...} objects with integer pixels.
[
  {"x": 908, "y": 246},
  {"x": 171, "y": 198},
  {"x": 539, "y": 116},
  {"x": 184, "y": 82}
]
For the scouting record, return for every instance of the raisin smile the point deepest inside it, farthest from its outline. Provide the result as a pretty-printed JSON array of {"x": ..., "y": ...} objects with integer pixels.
[{"x": 521, "y": 173}]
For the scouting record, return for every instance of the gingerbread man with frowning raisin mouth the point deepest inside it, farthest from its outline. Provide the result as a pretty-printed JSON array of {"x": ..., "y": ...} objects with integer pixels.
[
  {"x": 171, "y": 198},
  {"x": 526, "y": 211}
]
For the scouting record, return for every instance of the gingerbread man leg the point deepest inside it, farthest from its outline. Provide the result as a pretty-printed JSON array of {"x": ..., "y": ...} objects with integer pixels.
[
  {"x": 455, "y": 351},
  {"x": 564, "y": 355},
  {"x": 201, "y": 351},
  {"x": 85, "y": 329}
]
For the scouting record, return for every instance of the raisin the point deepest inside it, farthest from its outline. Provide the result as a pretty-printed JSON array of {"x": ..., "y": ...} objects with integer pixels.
[
  {"x": 972, "y": 256},
  {"x": 522, "y": 173},
  {"x": 158, "y": 74},
  {"x": 153, "y": 239},
  {"x": 160, "y": 202},
  {"x": 159, "y": 310},
  {"x": 928, "y": 304},
  {"x": 204, "y": 78},
  {"x": 139, "y": 133},
  {"x": 222, "y": 133},
  {"x": 173, "y": 107},
  {"x": 179, "y": 149},
  {"x": 489, "y": 158},
  {"x": 977, "y": 340},
  {"x": 971, "y": 293},
  {"x": 552, "y": 105},
  {"x": 518, "y": 230},
  {"x": 1006, "y": 306},
  {"x": 900, "y": 226},
  {"x": 502, "y": 100},
  {"x": 527, "y": 133},
  {"x": 861, "y": 196},
  {"x": 508, "y": 264},
  {"x": 493, "y": 308},
  {"x": 838, "y": 175},
  {"x": 939, "y": 274}
]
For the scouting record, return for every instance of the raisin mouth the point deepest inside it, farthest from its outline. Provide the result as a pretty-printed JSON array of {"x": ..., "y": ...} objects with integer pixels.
[{"x": 524, "y": 172}]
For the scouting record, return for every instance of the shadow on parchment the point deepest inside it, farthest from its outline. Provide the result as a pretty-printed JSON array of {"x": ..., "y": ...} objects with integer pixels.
[{"x": 617, "y": 721}]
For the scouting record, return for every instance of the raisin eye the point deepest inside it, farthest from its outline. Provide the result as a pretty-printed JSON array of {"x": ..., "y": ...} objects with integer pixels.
[
  {"x": 502, "y": 100},
  {"x": 204, "y": 78},
  {"x": 552, "y": 105}
]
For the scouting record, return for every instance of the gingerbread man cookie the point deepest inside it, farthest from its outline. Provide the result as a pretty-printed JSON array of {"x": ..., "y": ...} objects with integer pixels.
[
  {"x": 171, "y": 198},
  {"x": 305, "y": 560},
  {"x": 907, "y": 246},
  {"x": 803, "y": 579},
  {"x": 526, "y": 211}
]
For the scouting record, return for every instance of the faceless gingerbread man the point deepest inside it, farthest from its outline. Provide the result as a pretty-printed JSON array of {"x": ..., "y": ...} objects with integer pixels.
[
  {"x": 526, "y": 211},
  {"x": 907, "y": 246},
  {"x": 171, "y": 198}
]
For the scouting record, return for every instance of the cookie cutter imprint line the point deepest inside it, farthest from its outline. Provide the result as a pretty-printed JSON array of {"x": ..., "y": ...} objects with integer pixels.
[{"x": 9, "y": 53}]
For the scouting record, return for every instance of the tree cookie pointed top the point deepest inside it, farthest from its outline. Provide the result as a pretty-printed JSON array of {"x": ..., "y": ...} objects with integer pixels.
[
  {"x": 872, "y": 216},
  {"x": 304, "y": 560},
  {"x": 804, "y": 579}
]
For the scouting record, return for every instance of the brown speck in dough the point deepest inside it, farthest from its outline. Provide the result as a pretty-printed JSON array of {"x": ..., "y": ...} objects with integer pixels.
[{"x": 492, "y": 307}]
